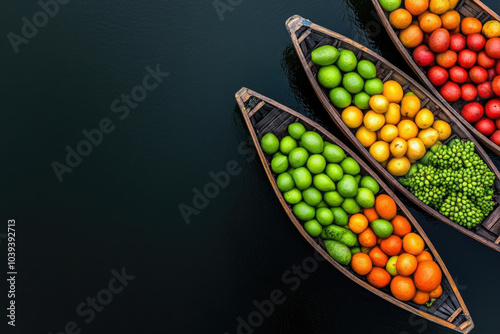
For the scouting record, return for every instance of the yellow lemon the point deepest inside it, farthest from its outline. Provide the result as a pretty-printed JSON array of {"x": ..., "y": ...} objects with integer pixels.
[
  {"x": 416, "y": 149},
  {"x": 393, "y": 115},
  {"x": 393, "y": 91},
  {"x": 366, "y": 137},
  {"x": 428, "y": 136},
  {"x": 410, "y": 105},
  {"x": 424, "y": 118},
  {"x": 380, "y": 151},
  {"x": 398, "y": 147},
  {"x": 352, "y": 117},
  {"x": 407, "y": 129},
  {"x": 388, "y": 132},
  {"x": 453, "y": 4},
  {"x": 379, "y": 103},
  {"x": 439, "y": 6},
  {"x": 443, "y": 128},
  {"x": 398, "y": 166},
  {"x": 491, "y": 29},
  {"x": 374, "y": 121}
]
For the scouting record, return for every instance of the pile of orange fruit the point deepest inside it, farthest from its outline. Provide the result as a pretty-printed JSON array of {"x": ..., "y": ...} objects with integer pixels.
[
  {"x": 396, "y": 130},
  {"x": 399, "y": 261}
]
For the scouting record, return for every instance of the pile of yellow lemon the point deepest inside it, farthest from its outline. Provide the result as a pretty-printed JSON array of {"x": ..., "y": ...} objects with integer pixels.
[{"x": 396, "y": 130}]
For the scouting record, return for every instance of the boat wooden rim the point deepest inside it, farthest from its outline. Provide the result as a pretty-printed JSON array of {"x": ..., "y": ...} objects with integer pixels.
[
  {"x": 251, "y": 104},
  {"x": 484, "y": 15},
  {"x": 488, "y": 233}
]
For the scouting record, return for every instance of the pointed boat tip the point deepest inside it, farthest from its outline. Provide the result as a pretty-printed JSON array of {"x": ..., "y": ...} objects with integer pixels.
[
  {"x": 240, "y": 92},
  {"x": 293, "y": 23}
]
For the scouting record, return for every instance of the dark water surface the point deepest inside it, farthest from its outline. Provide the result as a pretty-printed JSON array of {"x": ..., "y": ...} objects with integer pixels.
[{"x": 119, "y": 207}]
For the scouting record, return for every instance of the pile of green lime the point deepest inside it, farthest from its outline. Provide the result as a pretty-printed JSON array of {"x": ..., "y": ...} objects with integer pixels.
[
  {"x": 321, "y": 183},
  {"x": 348, "y": 80}
]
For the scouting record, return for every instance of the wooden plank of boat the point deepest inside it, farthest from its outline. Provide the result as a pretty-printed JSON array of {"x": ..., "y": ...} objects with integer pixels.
[
  {"x": 259, "y": 111},
  {"x": 474, "y": 8},
  {"x": 489, "y": 231}
]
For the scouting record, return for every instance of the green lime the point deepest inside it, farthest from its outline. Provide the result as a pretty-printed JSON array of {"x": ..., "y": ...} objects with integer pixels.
[
  {"x": 358, "y": 179},
  {"x": 316, "y": 163},
  {"x": 278, "y": 154},
  {"x": 279, "y": 164},
  {"x": 333, "y": 198},
  {"x": 269, "y": 143},
  {"x": 323, "y": 182},
  {"x": 335, "y": 172},
  {"x": 365, "y": 198},
  {"x": 285, "y": 182},
  {"x": 340, "y": 216},
  {"x": 312, "y": 142},
  {"x": 312, "y": 196},
  {"x": 324, "y": 216},
  {"x": 355, "y": 250},
  {"x": 313, "y": 228},
  {"x": 382, "y": 228},
  {"x": 329, "y": 76},
  {"x": 351, "y": 206},
  {"x": 304, "y": 211},
  {"x": 287, "y": 144},
  {"x": 350, "y": 166},
  {"x": 374, "y": 86},
  {"x": 390, "y": 5},
  {"x": 298, "y": 157},
  {"x": 370, "y": 183},
  {"x": 361, "y": 100},
  {"x": 325, "y": 55},
  {"x": 293, "y": 196},
  {"x": 340, "y": 97},
  {"x": 296, "y": 130},
  {"x": 347, "y": 187},
  {"x": 302, "y": 178},
  {"x": 333, "y": 153},
  {"x": 367, "y": 69},
  {"x": 347, "y": 61},
  {"x": 353, "y": 82}
]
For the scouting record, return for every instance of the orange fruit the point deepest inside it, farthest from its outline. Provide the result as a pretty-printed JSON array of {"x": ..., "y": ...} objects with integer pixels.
[
  {"x": 427, "y": 276},
  {"x": 358, "y": 223},
  {"x": 393, "y": 91},
  {"x": 393, "y": 115},
  {"x": 379, "y": 104},
  {"x": 439, "y": 6},
  {"x": 373, "y": 121},
  {"x": 367, "y": 238},
  {"x": 379, "y": 277},
  {"x": 392, "y": 245},
  {"x": 447, "y": 59},
  {"x": 371, "y": 214},
  {"x": 410, "y": 105},
  {"x": 379, "y": 258},
  {"x": 366, "y": 137},
  {"x": 471, "y": 25},
  {"x": 422, "y": 15},
  {"x": 424, "y": 256},
  {"x": 430, "y": 22},
  {"x": 398, "y": 166},
  {"x": 388, "y": 133},
  {"x": 443, "y": 128},
  {"x": 400, "y": 18},
  {"x": 386, "y": 207},
  {"x": 413, "y": 244},
  {"x": 398, "y": 147},
  {"x": 380, "y": 151},
  {"x": 407, "y": 129},
  {"x": 451, "y": 20},
  {"x": 421, "y": 297},
  {"x": 416, "y": 149},
  {"x": 352, "y": 117},
  {"x": 424, "y": 118},
  {"x": 416, "y": 7},
  {"x": 401, "y": 226},
  {"x": 436, "y": 293},
  {"x": 361, "y": 264},
  {"x": 412, "y": 36},
  {"x": 407, "y": 264},
  {"x": 403, "y": 288},
  {"x": 453, "y": 4}
]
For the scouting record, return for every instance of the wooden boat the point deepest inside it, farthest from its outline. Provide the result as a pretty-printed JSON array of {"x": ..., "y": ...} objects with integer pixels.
[
  {"x": 263, "y": 115},
  {"x": 306, "y": 36},
  {"x": 474, "y": 8}
]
